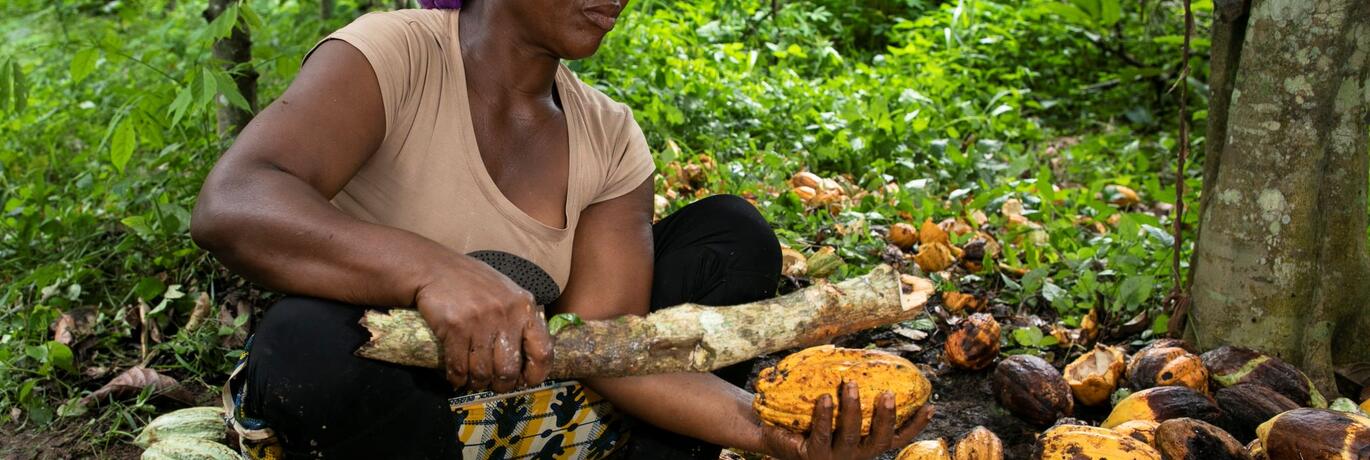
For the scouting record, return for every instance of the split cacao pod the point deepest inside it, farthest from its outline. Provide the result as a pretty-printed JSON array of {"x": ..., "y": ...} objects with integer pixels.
[
  {"x": 1081, "y": 442},
  {"x": 1246, "y": 406},
  {"x": 1032, "y": 390},
  {"x": 979, "y": 444},
  {"x": 1094, "y": 375},
  {"x": 787, "y": 392},
  {"x": 1167, "y": 363},
  {"x": 935, "y": 449},
  {"x": 1163, "y": 403},
  {"x": 1316, "y": 434},
  {"x": 1190, "y": 439},
  {"x": 975, "y": 342},
  {"x": 1231, "y": 365}
]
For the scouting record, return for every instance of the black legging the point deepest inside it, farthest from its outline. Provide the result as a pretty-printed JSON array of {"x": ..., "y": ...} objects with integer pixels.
[{"x": 306, "y": 384}]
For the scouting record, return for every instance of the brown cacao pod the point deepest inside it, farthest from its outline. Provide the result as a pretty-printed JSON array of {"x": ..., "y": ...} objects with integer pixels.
[
  {"x": 1161, "y": 404},
  {"x": 787, "y": 392},
  {"x": 1316, "y": 434},
  {"x": 935, "y": 449},
  {"x": 1165, "y": 364},
  {"x": 1094, "y": 375},
  {"x": 903, "y": 235},
  {"x": 1080, "y": 442},
  {"x": 975, "y": 342},
  {"x": 1032, "y": 390},
  {"x": 1230, "y": 365},
  {"x": 1247, "y": 405},
  {"x": 979, "y": 444},
  {"x": 1190, "y": 439}
]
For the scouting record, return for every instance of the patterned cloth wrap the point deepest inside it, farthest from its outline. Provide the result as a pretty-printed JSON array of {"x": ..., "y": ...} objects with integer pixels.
[{"x": 560, "y": 420}]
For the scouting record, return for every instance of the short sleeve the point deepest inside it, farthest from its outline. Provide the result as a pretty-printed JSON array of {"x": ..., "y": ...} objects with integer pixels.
[
  {"x": 633, "y": 163},
  {"x": 399, "y": 50}
]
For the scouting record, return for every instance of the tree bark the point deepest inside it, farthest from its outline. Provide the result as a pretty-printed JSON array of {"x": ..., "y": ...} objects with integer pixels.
[
  {"x": 234, "y": 55},
  {"x": 1281, "y": 263},
  {"x": 686, "y": 338}
]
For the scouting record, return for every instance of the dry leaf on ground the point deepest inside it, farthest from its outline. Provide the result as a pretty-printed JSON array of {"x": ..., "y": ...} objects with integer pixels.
[{"x": 134, "y": 380}]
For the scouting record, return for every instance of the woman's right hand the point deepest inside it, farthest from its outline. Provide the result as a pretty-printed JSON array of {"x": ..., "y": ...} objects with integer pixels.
[
  {"x": 824, "y": 442},
  {"x": 493, "y": 335}
]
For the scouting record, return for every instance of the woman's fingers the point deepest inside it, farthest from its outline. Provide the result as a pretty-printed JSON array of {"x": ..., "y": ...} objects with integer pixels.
[
  {"x": 457, "y": 355},
  {"x": 820, "y": 431},
  {"x": 537, "y": 348},
  {"x": 482, "y": 368},
  {"x": 914, "y": 425},
  {"x": 508, "y": 357},
  {"x": 848, "y": 419},
  {"x": 882, "y": 426}
]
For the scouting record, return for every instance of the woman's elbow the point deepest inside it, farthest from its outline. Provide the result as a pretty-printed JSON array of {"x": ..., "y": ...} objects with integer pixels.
[{"x": 211, "y": 223}]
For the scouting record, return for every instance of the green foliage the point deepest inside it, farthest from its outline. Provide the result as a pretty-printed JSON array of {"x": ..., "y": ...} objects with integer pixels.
[{"x": 107, "y": 130}]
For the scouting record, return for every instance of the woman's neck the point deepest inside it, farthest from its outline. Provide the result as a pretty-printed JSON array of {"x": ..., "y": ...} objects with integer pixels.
[{"x": 502, "y": 65}]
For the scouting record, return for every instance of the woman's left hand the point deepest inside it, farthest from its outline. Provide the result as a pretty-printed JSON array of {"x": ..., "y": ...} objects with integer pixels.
[{"x": 846, "y": 442}]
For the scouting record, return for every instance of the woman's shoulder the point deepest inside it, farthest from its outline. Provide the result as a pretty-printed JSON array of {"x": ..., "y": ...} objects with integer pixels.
[
  {"x": 598, "y": 109},
  {"x": 401, "y": 24}
]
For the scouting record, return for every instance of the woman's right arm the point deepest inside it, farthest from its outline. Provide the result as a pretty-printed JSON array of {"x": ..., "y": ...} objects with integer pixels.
[{"x": 264, "y": 211}]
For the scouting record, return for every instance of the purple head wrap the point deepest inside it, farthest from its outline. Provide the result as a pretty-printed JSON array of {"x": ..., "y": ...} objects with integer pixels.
[{"x": 441, "y": 4}]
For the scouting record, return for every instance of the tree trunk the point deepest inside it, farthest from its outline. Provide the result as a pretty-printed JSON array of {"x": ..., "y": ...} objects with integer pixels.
[
  {"x": 1281, "y": 263},
  {"x": 234, "y": 55},
  {"x": 686, "y": 338}
]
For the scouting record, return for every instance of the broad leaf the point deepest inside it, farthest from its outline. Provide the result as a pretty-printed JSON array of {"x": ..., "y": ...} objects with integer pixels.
[{"x": 122, "y": 144}]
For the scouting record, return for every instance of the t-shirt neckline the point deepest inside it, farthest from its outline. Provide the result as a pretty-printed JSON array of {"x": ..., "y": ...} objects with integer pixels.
[{"x": 476, "y": 166}]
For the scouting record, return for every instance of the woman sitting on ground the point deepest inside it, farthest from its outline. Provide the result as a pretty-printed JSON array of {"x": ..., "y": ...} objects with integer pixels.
[{"x": 445, "y": 160}]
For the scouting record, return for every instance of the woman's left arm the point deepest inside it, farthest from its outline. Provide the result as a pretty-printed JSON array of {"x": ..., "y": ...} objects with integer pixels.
[{"x": 611, "y": 275}]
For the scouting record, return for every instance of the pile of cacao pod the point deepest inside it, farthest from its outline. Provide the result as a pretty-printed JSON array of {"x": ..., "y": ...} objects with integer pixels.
[
  {"x": 193, "y": 433},
  {"x": 1169, "y": 402}
]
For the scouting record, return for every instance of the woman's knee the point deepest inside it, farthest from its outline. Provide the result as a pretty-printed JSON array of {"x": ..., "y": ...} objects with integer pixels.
[{"x": 734, "y": 221}]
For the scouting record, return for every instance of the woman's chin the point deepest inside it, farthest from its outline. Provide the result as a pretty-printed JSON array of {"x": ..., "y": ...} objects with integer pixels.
[{"x": 581, "y": 49}]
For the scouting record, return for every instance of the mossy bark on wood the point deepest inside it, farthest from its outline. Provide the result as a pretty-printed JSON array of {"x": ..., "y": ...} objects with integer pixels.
[
  {"x": 1281, "y": 262},
  {"x": 686, "y": 338}
]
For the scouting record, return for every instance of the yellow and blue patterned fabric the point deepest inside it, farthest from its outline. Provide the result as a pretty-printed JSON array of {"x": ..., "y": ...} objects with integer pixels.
[{"x": 560, "y": 420}]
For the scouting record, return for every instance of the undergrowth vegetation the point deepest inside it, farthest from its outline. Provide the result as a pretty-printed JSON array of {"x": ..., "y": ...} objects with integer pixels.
[{"x": 949, "y": 109}]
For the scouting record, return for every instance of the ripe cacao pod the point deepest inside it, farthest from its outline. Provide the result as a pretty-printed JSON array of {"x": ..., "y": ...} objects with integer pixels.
[
  {"x": 1365, "y": 406},
  {"x": 1247, "y": 405},
  {"x": 787, "y": 392},
  {"x": 903, "y": 235},
  {"x": 935, "y": 449},
  {"x": 1165, "y": 363},
  {"x": 975, "y": 343},
  {"x": 1080, "y": 442},
  {"x": 1094, "y": 375},
  {"x": 1161, "y": 404},
  {"x": 1316, "y": 434},
  {"x": 1141, "y": 430},
  {"x": 1032, "y": 390},
  {"x": 1190, "y": 439},
  {"x": 195, "y": 422},
  {"x": 979, "y": 444},
  {"x": 1230, "y": 365}
]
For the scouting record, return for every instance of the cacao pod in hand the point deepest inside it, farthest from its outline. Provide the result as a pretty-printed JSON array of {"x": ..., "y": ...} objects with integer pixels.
[{"x": 787, "y": 392}]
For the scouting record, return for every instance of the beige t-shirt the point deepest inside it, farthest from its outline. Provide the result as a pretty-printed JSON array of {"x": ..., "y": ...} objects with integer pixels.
[{"x": 428, "y": 178}]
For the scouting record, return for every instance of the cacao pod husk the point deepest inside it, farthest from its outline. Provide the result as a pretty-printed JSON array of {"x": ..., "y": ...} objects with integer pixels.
[
  {"x": 979, "y": 444},
  {"x": 1141, "y": 430},
  {"x": 787, "y": 392},
  {"x": 1163, "y": 403},
  {"x": 195, "y": 422},
  {"x": 1080, "y": 442},
  {"x": 1032, "y": 390},
  {"x": 935, "y": 449},
  {"x": 1316, "y": 434},
  {"x": 1231, "y": 365},
  {"x": 1164, "y": 364},
  {"x": 1257, "y": 450},
  {"x": 1190, "y": 439},
  {"x": 903, "y": 235},
  {"x": 975, "y": 342},
  {"x": 806, "y": 179},
  {"x": 1246, "y": 406},
  {"x": 1094, "y": 375}
]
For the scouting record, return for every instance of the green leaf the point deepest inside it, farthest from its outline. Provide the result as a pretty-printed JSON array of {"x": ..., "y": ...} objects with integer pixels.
[
  {"x": 230, "y": 91},
  {"x": 1070, "y": 13},
  {"x": 5, "y": 83},
  {"x": 179, "y": 106},
  {"x": 149, "y": 288},
  {"x": 122, "y": 144},
  {"x": 83, "y": 63},
  {"x": 139, "y": 225},
  {"x": 20, "y": 90},
  {"x": 562, "y": 321},
  {"x": 1133, "y": 292},
  {"x": 1027, "y": 336},
  {"x": 1110, "y": 11},
  {"x": 207, "y": 85},
  {"x": 60, "y": 356}
]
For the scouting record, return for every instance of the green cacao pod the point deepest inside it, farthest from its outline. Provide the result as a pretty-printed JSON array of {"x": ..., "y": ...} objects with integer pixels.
[{"x": 196, "y": 422}]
